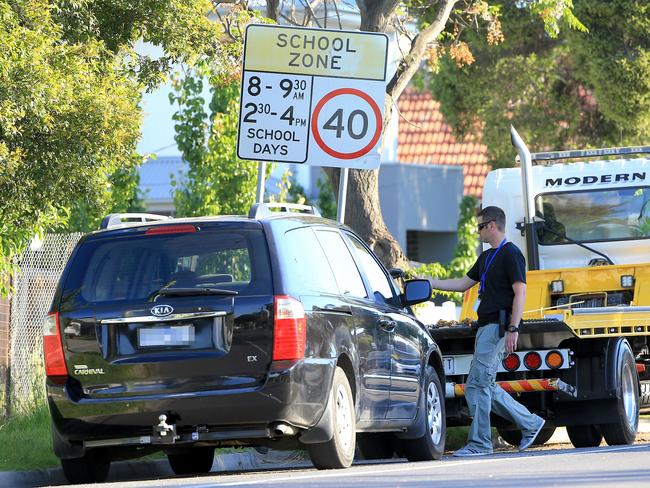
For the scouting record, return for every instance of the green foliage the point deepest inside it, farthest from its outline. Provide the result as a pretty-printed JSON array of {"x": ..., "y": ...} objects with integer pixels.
[
  {"x": 614, "y": 61},
  {"x": 66, "y": 119},
  {"x": 465, "y": 254},
  {"x": 540, "y": 84},
  {"x": 291, "y": 191},
  {"x": 27, "y": 441},
  {"x": 70, "y": 88},
  {"x": 122, "y": 194},
  {"x": 181, "y": 27},
  {"x": 216, "y": 181},
  {"x": 326, "y": 198}
]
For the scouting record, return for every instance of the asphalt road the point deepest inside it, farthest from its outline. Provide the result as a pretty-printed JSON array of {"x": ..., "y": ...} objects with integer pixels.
[{"x": 620, "y": 466}]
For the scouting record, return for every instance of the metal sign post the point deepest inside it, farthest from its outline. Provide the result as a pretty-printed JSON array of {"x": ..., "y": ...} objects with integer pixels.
[
  {"x": 261, "y": 176},
  {"x": 343, "y": 191}
]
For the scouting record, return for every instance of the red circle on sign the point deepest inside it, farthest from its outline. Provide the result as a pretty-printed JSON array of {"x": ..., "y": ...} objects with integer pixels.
[{"x": 319, "y": 139}]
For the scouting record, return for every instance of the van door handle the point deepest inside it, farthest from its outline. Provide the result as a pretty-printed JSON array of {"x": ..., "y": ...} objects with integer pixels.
[{"x": 387, "y": 324}]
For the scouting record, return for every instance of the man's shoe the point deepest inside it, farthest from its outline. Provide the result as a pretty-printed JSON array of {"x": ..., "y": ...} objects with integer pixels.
[
  {"x": 469, "y": 451},
  {"x": 529, "y": 437}
]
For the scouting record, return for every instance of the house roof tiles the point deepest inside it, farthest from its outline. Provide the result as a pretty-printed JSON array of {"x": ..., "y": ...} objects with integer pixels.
[{"x": 425, "y": 138}]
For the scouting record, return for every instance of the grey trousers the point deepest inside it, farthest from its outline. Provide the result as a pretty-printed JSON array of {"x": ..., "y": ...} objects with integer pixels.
[{"x": 484, "y": 395}]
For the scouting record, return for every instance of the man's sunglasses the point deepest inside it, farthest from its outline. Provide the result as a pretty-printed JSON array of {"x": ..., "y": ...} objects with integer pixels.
[{"x": 483, "y": 225}]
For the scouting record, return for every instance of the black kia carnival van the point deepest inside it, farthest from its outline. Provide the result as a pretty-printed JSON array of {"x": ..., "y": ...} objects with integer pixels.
[{"x": 279, "y": 329}]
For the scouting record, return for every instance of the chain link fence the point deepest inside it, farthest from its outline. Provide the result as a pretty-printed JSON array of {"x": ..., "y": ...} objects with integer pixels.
[{"x": 34, "y": 286}]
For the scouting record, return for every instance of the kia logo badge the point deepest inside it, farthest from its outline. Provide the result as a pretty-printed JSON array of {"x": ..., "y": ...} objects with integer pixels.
[{"x": 161, "y": 310}]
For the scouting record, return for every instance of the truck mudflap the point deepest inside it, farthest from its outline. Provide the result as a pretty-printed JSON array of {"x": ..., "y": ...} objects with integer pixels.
[{"x": 453, "y": 390}]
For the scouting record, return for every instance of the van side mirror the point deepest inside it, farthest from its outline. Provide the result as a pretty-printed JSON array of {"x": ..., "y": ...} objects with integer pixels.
[{"x": 416, "y": 291}]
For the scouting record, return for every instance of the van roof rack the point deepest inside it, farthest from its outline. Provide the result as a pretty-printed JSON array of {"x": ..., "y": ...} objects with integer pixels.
[
  {"x": 122, "y": 219},
  {"x": 590, "y": 153},
  {"x": 261, "y": 210}
]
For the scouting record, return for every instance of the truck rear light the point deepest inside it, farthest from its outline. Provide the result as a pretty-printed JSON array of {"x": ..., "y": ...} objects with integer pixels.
[
  {"x": 289, "y": 329},
  {"x": 554, "y": 360},
  {"x": 533, "y": 360},
  {"x": 55, "y": 366},
  {"x": 640, "y": 368},
  {"x": 511, "y": 362},
  {"x": 170, "y": 229}
]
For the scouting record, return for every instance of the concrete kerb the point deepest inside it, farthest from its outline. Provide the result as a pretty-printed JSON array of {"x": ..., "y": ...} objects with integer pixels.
[{"x": 248, "y": 459}]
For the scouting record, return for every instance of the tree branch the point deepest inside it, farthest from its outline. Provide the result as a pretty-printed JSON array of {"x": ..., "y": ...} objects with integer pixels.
[
  {"x": 272, "y": 7},
  {"x": 421, "y": 43}
]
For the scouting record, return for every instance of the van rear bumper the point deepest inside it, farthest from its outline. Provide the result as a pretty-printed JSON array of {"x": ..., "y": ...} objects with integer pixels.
[{"x": 295, "y": 393}]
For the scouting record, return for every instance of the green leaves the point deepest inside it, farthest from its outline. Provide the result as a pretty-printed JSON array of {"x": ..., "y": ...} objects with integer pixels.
[
  {"x": 465, "y": 254},
  {"x": 577, "y": 90},
  {"x": 70, "y": 89},
  {"x": 216, "y": 181}
]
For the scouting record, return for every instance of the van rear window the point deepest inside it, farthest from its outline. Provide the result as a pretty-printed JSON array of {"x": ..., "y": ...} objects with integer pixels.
[{"x": 135, "y": 267}]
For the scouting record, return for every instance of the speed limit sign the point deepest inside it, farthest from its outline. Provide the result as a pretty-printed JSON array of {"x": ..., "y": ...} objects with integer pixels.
[{"x": 312, "y": 96}]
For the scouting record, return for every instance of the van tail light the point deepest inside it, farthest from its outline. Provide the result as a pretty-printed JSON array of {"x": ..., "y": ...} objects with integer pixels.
[
  {"x": 289, "y": 329},
  {"x": 170, "y": 229},
  {"x": 55, "y": 366}
]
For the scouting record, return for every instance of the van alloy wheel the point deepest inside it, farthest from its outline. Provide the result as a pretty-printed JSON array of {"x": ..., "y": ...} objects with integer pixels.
[
  {"x": 434, "y": 413},
  {"x": 338, "y": 452}
]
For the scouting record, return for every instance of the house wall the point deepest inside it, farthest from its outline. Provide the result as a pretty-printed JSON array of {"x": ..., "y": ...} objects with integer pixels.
[{"x": 424, "y": 199}]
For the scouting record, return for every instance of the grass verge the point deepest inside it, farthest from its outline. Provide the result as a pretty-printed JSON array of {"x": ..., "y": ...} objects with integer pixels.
[
  {"x": 456, "y": 438},
  {"x": 25, "y": 441}
]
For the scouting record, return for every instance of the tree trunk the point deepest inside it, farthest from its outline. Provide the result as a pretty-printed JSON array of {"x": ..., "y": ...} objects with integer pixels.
[
  {"x": 363, "y": 214},
  {"x": 363, "y": 210}
]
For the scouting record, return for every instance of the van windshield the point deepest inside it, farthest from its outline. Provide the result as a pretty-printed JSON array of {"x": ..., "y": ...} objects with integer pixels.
[
  {"x": 136, "y": 267},
  {"x": 588, "y": 216}
]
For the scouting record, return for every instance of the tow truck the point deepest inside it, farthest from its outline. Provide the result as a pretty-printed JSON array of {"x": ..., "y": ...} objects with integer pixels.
[{"x": 583, "y": 358}]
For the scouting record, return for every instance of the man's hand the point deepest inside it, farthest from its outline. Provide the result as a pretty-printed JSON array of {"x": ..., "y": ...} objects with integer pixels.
[{"x": 511, "y": 341}]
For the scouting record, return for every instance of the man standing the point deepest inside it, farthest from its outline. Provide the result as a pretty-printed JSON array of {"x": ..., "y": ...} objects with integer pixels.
[{"x": 501, "y": 274}]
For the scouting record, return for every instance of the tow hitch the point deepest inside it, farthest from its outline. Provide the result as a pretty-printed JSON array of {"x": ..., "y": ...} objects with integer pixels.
[{"x": 164, "y": 433}]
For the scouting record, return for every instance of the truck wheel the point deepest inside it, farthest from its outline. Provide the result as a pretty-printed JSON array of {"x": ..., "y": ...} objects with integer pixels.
[
  {"x": 432, "y": 444},
  {"x": 93, "y": 467},
  {"x": 196, "y": 460},
  {"x": 584, "y": 435},
  {"x": 513, "y": 437},
  {"x": 376, "y": 446},
  {"x": 623, "y": 430},
  {"x": 338, "y": 452}
]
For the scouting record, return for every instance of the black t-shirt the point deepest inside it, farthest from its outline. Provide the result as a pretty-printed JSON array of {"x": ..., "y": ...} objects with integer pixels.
[{"x": 508, "y": 267}]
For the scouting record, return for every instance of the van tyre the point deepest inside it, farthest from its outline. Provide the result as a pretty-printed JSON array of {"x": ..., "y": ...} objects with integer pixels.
[
  {"x": 623, "y": 430},
  {"x": 197, "y": 460},
  {"x": 432, "y": 444},
  {"x": 93, "y": 467},
  {"x": 338, "y": 452},
  {"x": 584, "y": 435},
  {"x": 513, "y": 437}
]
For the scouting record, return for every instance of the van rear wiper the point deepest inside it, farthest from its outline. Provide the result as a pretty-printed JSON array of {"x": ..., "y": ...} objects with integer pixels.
[{"x": 186, "y": 292}]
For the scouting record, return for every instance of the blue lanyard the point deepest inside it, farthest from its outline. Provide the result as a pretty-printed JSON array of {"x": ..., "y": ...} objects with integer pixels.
[{"x": 487, "y": 266}]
